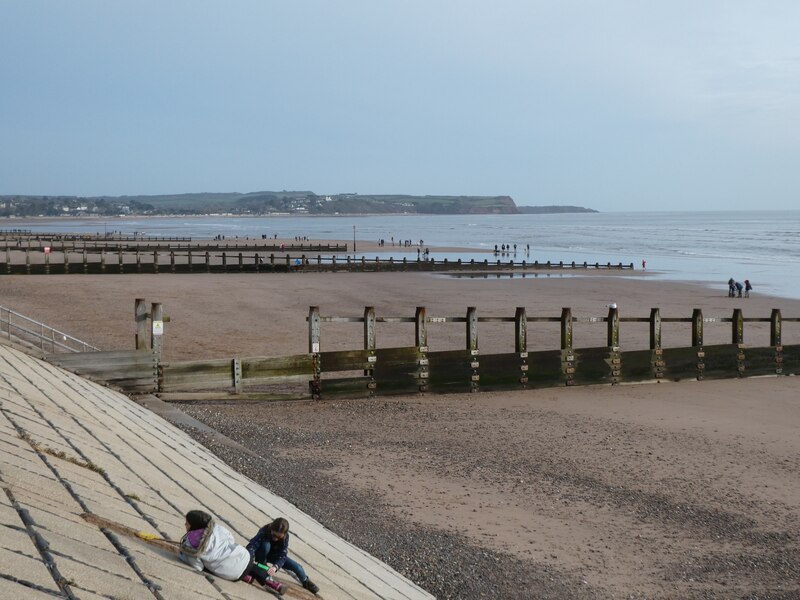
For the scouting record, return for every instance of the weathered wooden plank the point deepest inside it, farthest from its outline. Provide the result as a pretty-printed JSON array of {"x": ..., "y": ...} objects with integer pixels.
[
  {"x": 681, "y": 363},
  {"x": 760, "y": 361},
  {"x": 198, "y": 366},
  {"x": 267, "y": 367},
  {"x": 186, "y": 385},
  {"x": 223, "y": 395},
  {"x": 274, "y": 380},
  {"x": 351, "y": 387},
  {"x": 343, "y": 360},
  {"x": 396, "y": 370},
  {"x": 545, "y": 369},
  {"x": 451, "y": 370},
  {"x": 503, "y": 371},
  {"x": 639, "y": 365},
  {"x": 106, "y": 365},
  {"x": 721, "y": 361},
  {"x": 791, "y": 359},
  {"x": 90, "y": 357},
  {"x": 397, "y": 355},
  {"x": 593, "y": 365}
]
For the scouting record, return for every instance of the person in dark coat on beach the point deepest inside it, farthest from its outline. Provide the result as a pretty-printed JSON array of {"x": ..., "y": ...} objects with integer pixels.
[
  {"x": 747, "y": 288},
  {"x": 731, "y": 287},
  {"x": 271, "y": 545},
  {"x": 739, "y": 288}
]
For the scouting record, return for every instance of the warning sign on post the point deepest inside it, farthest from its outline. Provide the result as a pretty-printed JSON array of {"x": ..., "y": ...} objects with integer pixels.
[
  {"x": 158, "y": 327},
  {"x": 47, "y": 249}
]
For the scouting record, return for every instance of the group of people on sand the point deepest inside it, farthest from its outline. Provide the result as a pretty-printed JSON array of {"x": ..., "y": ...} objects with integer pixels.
[
  {"x": 210, "y": 546},
  {"x": 735, "y": 288}
]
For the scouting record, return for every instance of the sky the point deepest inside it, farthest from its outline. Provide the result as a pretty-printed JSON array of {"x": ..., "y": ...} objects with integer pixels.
[{"x": 613, "y": 105}]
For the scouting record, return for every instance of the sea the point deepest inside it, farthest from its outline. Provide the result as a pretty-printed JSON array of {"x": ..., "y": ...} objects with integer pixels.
[{"x": 706, "y": 247}]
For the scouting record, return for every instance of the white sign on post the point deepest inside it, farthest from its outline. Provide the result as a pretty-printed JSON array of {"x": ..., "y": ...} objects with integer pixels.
[{"x": 158, "y": 327}]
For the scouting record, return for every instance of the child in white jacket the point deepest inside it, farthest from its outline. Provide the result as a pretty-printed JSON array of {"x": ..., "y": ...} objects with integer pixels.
[{"x": 209, "y": 546}]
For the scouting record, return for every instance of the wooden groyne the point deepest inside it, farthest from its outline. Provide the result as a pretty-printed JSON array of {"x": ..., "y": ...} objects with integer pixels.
[
  {"x": 370, "y": 370},
  {"x": 223, "y": 258}
]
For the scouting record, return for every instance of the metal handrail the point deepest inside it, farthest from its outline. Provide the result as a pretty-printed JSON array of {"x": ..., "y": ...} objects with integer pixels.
[{"x": 38, "y": 334}]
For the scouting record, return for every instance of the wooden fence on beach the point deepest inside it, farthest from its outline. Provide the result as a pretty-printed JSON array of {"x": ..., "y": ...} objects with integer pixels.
[
  {"x": 370, "y": 370},
  {"x": 221, "y": 259}
]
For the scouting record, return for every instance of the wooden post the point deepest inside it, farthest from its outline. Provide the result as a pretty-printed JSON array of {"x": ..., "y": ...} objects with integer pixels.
[
  {"x": 657, "y": 354},
  {"x": 472, "y": 330},
  {"x": 236, "y": 369},
  {"x": 775, "y": 339},
  {"x": 8, "y": 260},
  {"x": 520, "y": 330},
  {"x": 614, "y": 354},
  {"x": 138, "y": 261},
  {"x": 697, "y": 341},
  {"x": 521, "y": 343},
  {"x": 472, "y": 347},
  {"x": 775, "y": 328},
  {"x": 566, "y": 328},
  {"x": 46, "y": 263},
  {"x": 567, "y": 355},
  {"x": 172, "y": 261},
  {"x": 697, "y": 327},
  {"x": 224, "y": 261},
  {"x": 85, "y": 259},
  {"x": 737, "y": 327},
  {"x": 420, "y": 328},
  {"x": 120, "y": 260},
  {"x": 313, "y": 329},
  {"x": 157, "y": 329},
  {"x": 103, "y": 260},
  {"x": 66, "y": 261},
  {"x": 155, "y": 261},
  {"x": 655, "y": 329},
  {"x": 613, "y": 326},
  {"x": 140, "y": 322},
  {"x": 421, "y": 341},
  {"x": 189, "y": 255},
  {"x": 241, "y": 264},
  {"x": 369, "y": 343},
  {"x": 369, "y": 328},
  {"x": 208, "y": 262},
  {"x": 28, "y": 259}
]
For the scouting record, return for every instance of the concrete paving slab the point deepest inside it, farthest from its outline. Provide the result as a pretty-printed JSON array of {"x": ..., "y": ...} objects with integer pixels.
[
  {"x": 167, "y": 472},
  {"x": 108, "y": 584},
  {"x": 14, "y": 591},
  {"x": 24, "y": 562}
]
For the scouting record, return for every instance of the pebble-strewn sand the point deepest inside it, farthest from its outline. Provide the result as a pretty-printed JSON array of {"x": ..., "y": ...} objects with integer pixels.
[{"x": 671, "y": 490}]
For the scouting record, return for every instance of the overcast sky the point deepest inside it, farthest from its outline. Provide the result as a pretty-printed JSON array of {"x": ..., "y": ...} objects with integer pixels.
[{"x": 614, "y": 105}]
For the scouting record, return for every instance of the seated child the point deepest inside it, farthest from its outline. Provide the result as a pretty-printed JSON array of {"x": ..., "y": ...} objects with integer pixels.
[
  {"x": 271, "y": 544},
  {"x": 209, "y": 546}
]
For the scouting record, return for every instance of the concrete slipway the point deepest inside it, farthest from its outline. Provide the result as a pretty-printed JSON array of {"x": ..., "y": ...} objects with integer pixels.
[{"x": 69, "y": 446}]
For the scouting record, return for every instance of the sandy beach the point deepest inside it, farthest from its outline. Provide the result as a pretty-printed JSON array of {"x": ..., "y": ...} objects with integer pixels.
[{"x": 669, "y": 490}]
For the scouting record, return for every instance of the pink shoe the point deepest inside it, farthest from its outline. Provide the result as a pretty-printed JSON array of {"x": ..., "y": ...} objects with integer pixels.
[
  {"x": 275, "y": 586},
  {"x": 247, "y": 579}
]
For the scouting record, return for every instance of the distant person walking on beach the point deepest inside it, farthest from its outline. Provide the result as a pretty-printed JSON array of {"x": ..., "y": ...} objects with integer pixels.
[
  {"x": 271, "y": 544},
  {"x": 644, "y": 264},
  {"x": 747, "y": 288}
]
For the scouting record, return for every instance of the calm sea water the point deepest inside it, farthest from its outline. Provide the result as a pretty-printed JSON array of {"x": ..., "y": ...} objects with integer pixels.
[{"x": 707, "y": 247}]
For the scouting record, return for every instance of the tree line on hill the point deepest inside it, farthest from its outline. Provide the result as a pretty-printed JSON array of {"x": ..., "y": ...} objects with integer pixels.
[{"x": 265, "y": 203}]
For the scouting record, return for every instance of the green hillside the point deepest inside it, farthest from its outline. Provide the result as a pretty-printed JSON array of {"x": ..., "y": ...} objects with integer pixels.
[{"x": 264, "y": 203}]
